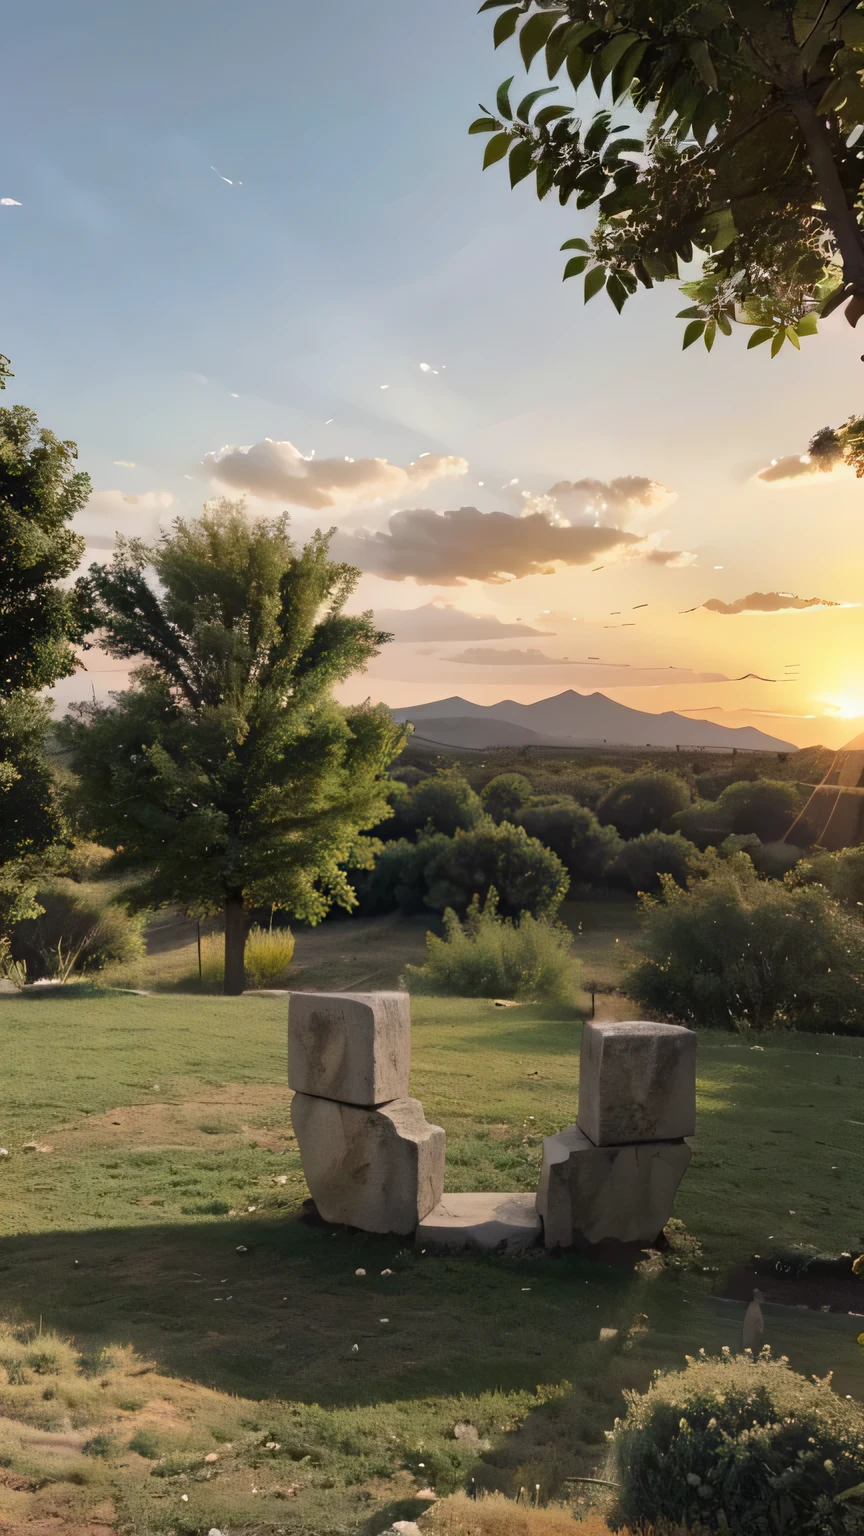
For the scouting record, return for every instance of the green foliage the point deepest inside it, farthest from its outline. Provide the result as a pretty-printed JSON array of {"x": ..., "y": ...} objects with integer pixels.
[
  {"x": 398, "y": 879},
  {"x": 526, "y": 876},
  {"x": 266, "y": 958},
  {"x": 228, "y": 769},
  {"x": 734, "y": 950},
  {"x": 767, "y": 807},
  {"x": 645, "y": 861},
  {"x": 443, "y": 802},
  {"x": 78, "y": 928},
  {"x": 741, "y": 1445},
  {"x": 704, "y": 822},
  {"x": 842, "y": 874},
  {"x": 589, "y": 785},
  {"x": 749, "y": 156},
  {"x": 30, "y": 821},
  {"x": 573, "y": 833},
  {"x": 643, "y": 803},
  {"x": 505, "y": 795},
  {"x": 491, "y": 956},
  {"x": 39, "y": 495}
]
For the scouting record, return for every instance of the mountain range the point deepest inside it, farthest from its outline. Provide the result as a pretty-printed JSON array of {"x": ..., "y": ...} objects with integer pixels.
[{"x": 573, "y": 720}]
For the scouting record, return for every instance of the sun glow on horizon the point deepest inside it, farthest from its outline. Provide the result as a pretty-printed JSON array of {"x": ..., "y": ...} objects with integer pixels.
[{"x": 845, "y": 706}]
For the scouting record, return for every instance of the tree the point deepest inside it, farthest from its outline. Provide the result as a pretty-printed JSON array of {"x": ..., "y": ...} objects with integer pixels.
[
  {"x": 767, "y": 807},
  {"x": 227, "y": 768},
  {"x": 573, "y": 833},
  {"x": 445, "y": 802},
  {"x": 644, "y": 861},
  {"x": 643, "y": 802},
  {"x": 750, "y": 155},
  {"x": 526, "y": 876},
  {"x": 506, "y": 794}
]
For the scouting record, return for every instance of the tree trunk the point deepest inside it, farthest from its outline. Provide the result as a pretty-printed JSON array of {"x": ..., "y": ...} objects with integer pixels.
[
  {"x": 235, "y": 946},
  {"x": 839, "y": 215}
]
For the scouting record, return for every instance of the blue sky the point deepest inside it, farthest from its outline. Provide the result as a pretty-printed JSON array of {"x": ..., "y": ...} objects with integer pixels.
[{"x": 364, "y": 240}]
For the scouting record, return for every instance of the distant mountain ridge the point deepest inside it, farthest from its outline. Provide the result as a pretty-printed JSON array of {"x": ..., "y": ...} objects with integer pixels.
[{"x": 574, "y": 719}]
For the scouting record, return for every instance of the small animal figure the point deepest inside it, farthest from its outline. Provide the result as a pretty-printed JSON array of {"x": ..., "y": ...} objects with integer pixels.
[{"x": 753, "y": 1332}]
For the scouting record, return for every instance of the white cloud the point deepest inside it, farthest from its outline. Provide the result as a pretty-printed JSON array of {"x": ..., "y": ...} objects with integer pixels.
[
  {"x": 277, "y": 471},
  {"x": 769, "y": 602},
  {"x": 444, "y": 621}
]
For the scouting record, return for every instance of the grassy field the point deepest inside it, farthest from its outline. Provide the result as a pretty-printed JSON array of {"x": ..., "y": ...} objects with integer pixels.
[{"x": 164, "y": 1182}]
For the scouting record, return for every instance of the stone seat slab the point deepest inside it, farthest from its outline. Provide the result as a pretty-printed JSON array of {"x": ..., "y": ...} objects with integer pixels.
[{"x": 509, "y": 1222}]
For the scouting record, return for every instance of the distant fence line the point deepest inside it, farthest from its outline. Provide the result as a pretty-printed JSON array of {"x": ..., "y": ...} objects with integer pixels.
[{"x": 598, "y": 746}]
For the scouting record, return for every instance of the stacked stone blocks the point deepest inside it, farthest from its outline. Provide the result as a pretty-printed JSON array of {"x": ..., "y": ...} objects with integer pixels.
[{"x": 370, "y": 1157}]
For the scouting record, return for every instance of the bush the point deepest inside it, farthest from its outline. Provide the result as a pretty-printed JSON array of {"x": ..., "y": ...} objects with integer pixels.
[
  {"x": 741, "y": 1445},
  {"x": 704, "y": 823},
  {"x": 573, "y": 833},
  {"x": 492, "y": 956},
  {"x": 397, "y": 880},
  {"x": 444, "y": 802},
  {"x": 506, "y": 794},
  {"x": 80, "y": 929},
  {"x": 268, "y": 954},
  {"x": 644, "y": 861},
  {"x": 643, "y": 803},
  {"x": 735, "y": 949},
  {"x": 767, "y": 807},
  {"x": 710, "y": 786},
  {"x": 526, "y": 876},
  {"x": 841, "y": 873}
]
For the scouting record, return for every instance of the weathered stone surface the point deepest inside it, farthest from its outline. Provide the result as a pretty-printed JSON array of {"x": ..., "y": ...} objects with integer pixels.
[
  {"x": 350, "y": 1046},
  {"x": 637, "y": 1082},
  {"x": 381, "y": 1170},
  {"x": 590, "y": 1195},
  {"x": 510, "y": 1222}
]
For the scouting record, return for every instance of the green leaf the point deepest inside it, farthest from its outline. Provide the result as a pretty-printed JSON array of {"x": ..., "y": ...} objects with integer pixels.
[
  {"x": 594, "y": 281},
  {"x": 705, "y": 117},
  {"x": 484, "y": 125},
  {"x": 524, "y": 108},
  {"x": 598, "y": 132},
  {"x": 547, "y": 115},
  {"x": 693, "y": 313},
  {"x": 502, "y": 99},
  {"x": 779, "y": 338},
  {"x": 610, "y": 55},
  {"x": 578, "y": 65},
  {"x": 725, "y": 324},
  {"x": 760, "y": 335},
  {"x": 496, "y": 149},
  {"x": 521, "y": 162},
  {"x": 558, "y": 44},
  {"x": 692, "y": 333},
  {"x": 575, "y": 265},
  {"x": 492, "y": 5},
  {"x": 808, "y": 325},
  {"x": 616, "y": 291},
  {"x": 701, "y": 57},
  {"x": 535, "y": 33},
  {"x": 793, "y": 337},
  {"x": 625, "y": 70},
  {"x": 505, "y": 25},
  {"x": 710, "y": 333},
  {"x": 576, "y": 244}
]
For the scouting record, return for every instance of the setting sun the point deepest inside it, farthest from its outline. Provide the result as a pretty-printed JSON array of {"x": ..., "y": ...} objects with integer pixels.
[{"x": 845, "y": 706}]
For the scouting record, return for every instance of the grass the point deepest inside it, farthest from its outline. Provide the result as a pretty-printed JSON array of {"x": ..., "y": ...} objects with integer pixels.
[{"x": 220, "y": 1329}]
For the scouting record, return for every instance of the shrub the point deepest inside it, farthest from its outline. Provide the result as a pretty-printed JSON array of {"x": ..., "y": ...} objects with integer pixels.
[
  {"x": 734, "y": 949},
  {"x": 397, "y": 880},
  {"x": 573, "y": 833},
  {"x": 711, "y": 785},
  {"x": 741, "y": 1445},
  {"x": 444, "y": 802},
  {"x": 526, "y": 876},
  {"x": 841, "y": 873},
  {"x": 766, "y": 806},
  {"x": 490, "y": 956},
  {"x": 644, "y": 861},
  {"x": 586, "y": 785},
  {"x": 704, "y": 823},
  {"x": 643, "y": 803},
  {"x": 506, "y": 794},
  {"x": 80, "y": 929},
  {"x": 268, "y": 954}
]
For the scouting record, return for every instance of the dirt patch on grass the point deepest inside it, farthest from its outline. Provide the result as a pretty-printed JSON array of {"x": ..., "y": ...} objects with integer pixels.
[{"x": 217, "y": 1117}]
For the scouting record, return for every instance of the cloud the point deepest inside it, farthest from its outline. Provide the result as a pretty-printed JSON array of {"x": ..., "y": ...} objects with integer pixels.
[
  {"x": 449, "y": 548},
  {"x": 673, "y": 559},
  {"x": 768, "y": 602},
  {"x": 444, "y": 621},
  {"x": 277, "y": 471},
  {"x": 620, "y": 497},
  {"x": 117, "y": 503},
  {"x": 824, "y": 456},
  {"x": 609, "y": 673}
]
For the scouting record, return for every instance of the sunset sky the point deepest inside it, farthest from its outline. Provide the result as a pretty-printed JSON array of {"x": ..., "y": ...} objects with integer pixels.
[{"x": 248, "y": 224}]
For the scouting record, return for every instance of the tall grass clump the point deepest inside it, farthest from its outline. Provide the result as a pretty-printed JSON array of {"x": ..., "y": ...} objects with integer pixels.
[
  {"x": 268, "y": 954},
  {"x": 743, "y": 1446},
  {"x": 491, "y": 956}
]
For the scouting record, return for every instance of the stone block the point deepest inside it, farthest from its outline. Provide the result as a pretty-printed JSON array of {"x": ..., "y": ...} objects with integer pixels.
[
  {"x": 637, "y": 1082},
  {"x": 350, "y": 1046},
  {"x": 381, "y": 1170},
  {"x": 590, "y": 1195},
  {"x": 508, "y": 1222}
]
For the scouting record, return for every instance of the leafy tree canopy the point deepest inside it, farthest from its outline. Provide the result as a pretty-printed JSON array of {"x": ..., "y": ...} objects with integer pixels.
[
  {"x": 573, "y": 833},
  {"x": 40, "y": 492},
  {"x": 643, "y": 802},
  {"x": 443, "y": 802},
  {"x": 749, "y": 154},
  {"x": 504, "y": 795},
  {"x": 228, "y": 768}
]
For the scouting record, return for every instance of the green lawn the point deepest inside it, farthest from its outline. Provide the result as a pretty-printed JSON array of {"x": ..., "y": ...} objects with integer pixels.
[{"x": 167, "y": 1118}]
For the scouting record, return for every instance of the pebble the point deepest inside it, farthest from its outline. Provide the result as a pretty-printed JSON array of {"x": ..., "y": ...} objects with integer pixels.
[
  {"x": 355, "y": 1349},
  {"x": 241, "y": 1248},
  {"x": 386, "y": 1271},
  {"x": 211, "y": 1457},
  {"x": 360, "y": 1272}
]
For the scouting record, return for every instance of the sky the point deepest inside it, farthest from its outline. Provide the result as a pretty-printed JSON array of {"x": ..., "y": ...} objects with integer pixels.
[{"x": 238, "y": 235}]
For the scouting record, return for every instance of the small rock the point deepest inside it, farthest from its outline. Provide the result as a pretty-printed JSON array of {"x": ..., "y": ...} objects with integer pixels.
[
  {"x": 282, "y": 1179},
  {"x": 241, "y": 1248},
  {"x": 406, "y": 1527},
  {"x": 361, "y": 1273},
  {"x": 607, "y": 1334},
  {"x": 211, "y": 1457},
  {"x": 4, "y": 1151},
  {"x": 214, "y": 1531},
  {"x": 466, "y": 1432},
  {"x": 386, "y": 1271},
  {"x": 355, "y": 1349},
  {"x": 251, "y": 1207},
  {"x": 184, "y": 1498},
  {"x": 272, "y": 1445}
]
